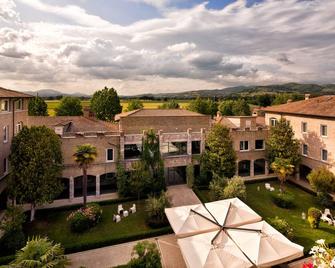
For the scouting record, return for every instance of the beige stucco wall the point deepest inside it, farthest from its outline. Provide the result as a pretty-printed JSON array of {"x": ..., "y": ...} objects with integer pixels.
[{"x": 312, "y": 138}]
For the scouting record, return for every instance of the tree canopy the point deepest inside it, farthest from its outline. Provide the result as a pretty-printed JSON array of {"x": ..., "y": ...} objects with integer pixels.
[
  {"x": 282, "y": 144},
  {"x": 105, "y": 104},
  {"x": 219, "y": 157},
  {"x": 69, "y": 106},
  {"x": 37, "y": 107},
  {"x": 36, "y": 165},
  {"x": 134, "y": 105},
  {"x": 171, "y": 104},
  {"x": 234, "y": 107},
  {"x": 203, "y": 106}
]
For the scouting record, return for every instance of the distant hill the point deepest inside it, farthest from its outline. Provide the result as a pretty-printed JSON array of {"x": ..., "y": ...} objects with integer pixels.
[
  {"x": 51, "y": 93},
  {"x": 314, "y": 89}
]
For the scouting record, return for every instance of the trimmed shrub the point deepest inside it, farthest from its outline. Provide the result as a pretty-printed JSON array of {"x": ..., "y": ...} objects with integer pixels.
[
  {"x": 314, "y": 216},
  {"x": 282, "y": 226},
  {"x": 85, "y": 218},
  {"x": 235, "y": 188},
  {"x": 155, "y": 206},
  {"x": 216, "y": 187},
  {"x": 283, "y": 200},
  {"x": 145, "y": 254}
]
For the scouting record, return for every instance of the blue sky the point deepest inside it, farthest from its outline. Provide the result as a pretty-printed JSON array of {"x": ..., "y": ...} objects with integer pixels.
[{"x": 140, "y": 46}]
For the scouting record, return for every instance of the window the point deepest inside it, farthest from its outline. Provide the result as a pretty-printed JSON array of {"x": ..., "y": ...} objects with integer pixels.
[
  {"x": 305, "y": 149},
  {"x": 132, "y": 151},
  {"x": 173, "y": 148},
  {"x": 196, "y": 147},
  {"x": 4, "y": 105},
  {"x": 259, "y": 144},
  {"x": 18, "y": 127},
  {"x": 5, "y": 134},
  {"x": 18, "y": 104},
  {"x": 273, "y": 122},
  {"x": 109, "y": 155},
  {"x": 5, "y": 165},
  {"x": 323, "y": 130},
  {"x": 324, "y": 155},
  {"x": 303, "y": 127},
  {"x": 244, "y": 145}
]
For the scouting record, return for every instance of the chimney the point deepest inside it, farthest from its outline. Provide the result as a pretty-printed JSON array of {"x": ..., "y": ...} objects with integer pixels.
[
  {"x": 307, "y": 96},
  {"x": 289, "y": 100},
  {"x": 88, "y": 113}
]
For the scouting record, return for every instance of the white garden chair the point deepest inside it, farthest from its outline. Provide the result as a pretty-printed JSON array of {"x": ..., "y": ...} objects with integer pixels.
[
  {"x": 125, "y": 213},
  {"x": 119, "y": 209},
  {"x": 328, "y": 217},
  {"x": 116, "y": 218},
  {"x": 133, "y": 209},
  {"x": 267, "y": 186}
]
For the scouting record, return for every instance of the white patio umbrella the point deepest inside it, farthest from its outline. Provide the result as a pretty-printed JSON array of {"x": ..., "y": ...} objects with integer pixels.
[
  {"x": 267, "y": 247},
  {"x": 195, "y": 219},
  {"x": 199, "y": 251}
]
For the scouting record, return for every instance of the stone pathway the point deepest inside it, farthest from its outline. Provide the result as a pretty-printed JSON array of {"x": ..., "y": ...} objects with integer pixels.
[{"x": 182, "y": 195}]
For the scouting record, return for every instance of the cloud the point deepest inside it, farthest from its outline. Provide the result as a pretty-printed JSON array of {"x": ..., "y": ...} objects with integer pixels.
[
  {"x": 7, "y": 11},
  {"x": 155, "y": 3},
  {"x": 268, "y": 42}
]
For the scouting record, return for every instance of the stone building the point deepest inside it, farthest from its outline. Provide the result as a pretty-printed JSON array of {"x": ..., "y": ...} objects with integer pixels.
[
  {"x": 249, "y": 134},
  {"x": 313, "y": 122},
  {"x": 13, "y": 115}
]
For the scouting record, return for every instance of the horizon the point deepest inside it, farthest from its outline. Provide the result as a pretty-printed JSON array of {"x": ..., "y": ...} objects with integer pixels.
[{"x": 164, "y": 46}]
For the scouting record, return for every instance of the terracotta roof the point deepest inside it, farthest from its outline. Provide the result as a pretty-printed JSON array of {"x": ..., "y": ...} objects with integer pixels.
[
  {"x": 75, "y": 123},
  {"x": 323, "y": 106},
  {"x": 8, "y": 93},
  {"x": 158, "y": 113}
]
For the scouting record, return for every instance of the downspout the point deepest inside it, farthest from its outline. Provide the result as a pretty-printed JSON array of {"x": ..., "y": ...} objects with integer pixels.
[{"x": 13, "y": 117}]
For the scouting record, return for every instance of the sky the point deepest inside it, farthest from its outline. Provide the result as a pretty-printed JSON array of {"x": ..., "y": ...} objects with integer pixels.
[{"x": 152, "y": 46}]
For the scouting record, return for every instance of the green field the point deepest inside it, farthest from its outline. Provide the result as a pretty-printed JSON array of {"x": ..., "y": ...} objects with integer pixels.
[
  {"x": 52, "y": 104},
  {"x": 261, "y": 202}
]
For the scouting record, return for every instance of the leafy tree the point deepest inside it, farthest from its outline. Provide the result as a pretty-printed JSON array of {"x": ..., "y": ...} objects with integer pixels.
[
  {"x": 39, "y": 253},
  {"x": 322, "y": 181},
  {"x": 226, "y": 107},
  {"x": 171, "y": 104},
  {"x": 283, "y": 168},
  {"x": 282, "y": 144},
  {"x": 122, "y": 180},
  {"x": 37, "y": 107},
  {"x": 69, "y": 106},
  {"x": 139, "y": 178},
  {"x": 84, "y": 156},
  {"x": 134, "y": 105},
  {"x": 145, "y": 255},
  {"x": 216, "y": 187},
  {"x": 36, "y": 166},
  {"x": 105, "y": 104},
  {"x": 203, "y": 106},
  {"x": 241, "y": 108},
  {"x": 219, "y": 157},
  {"x": 282, "y": 98},
  {"x": 264, "y": 100},
  {"x": 152, "y": 160},
  {"x": 13, "y": 237}
]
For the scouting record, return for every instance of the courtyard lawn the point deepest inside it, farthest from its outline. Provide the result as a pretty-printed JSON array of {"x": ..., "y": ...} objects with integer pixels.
[
  {"x": 53, "y": 223},
  {"x": 52, "y": 104},
  {"x": 261, "y": 202}
]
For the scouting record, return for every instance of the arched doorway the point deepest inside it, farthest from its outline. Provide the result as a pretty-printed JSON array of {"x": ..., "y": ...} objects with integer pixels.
[
  {"x": 304, "y": 171},
  {"x": 244, "y": 168},
  {"x": 108, "y": 183},
  {"x": 65, "y": 194},
  {"x": 259, "y": 167},
  {"x": 78, "y": 186}
]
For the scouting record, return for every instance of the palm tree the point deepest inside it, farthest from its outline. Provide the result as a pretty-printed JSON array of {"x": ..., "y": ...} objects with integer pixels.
[
  {"x": 85, "y": 155},
  {"x": 283, "y": 168},
  {"x": 40, "y": 252}
]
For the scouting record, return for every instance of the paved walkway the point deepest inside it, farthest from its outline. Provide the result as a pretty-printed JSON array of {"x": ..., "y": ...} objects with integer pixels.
[{"x": 182, "y": 195}]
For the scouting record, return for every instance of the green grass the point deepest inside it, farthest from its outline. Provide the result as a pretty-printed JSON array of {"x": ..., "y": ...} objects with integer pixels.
[
  {"x": 53, "y": 223},
  {"x": 261, "y": 202},
  {"x": 52, "y": 104}
]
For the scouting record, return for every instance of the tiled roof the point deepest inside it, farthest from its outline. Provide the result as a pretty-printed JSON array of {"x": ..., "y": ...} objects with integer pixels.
[
  {"x": 158, "y": 113},
  {"x": 76, "y": 123},
  {"x": 323, "y": 106},
  {"x": 7, "y": 93}
]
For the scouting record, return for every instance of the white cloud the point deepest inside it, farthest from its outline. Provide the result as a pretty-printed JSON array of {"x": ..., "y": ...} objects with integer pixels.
[
  {"x": 270, "y": 42},
  {"x": 7, "y": 11},
  {"x": 155, "y": 3}
]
